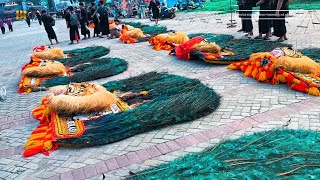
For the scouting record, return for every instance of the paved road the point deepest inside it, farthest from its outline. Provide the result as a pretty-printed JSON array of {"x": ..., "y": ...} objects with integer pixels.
[{"x": 246, "y": 107}]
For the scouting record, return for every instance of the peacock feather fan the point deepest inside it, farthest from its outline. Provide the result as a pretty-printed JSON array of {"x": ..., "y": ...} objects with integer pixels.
[
  {"x": 175, "y": 99},
  {"x": 276, "y": 154},
  {"x": 136, "y": 24},
  {"x": 84, "y": 67},
  {"x": 213, "y": 37},
  {"x": 89, "y": 70},
  {"x": 84, "y": 54}
]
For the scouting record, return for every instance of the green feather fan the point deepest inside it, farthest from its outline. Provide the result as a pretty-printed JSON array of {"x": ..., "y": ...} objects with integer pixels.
[
  {"x": 88, "y": 71},
  {"x": 84, "y": 54},
  {"x": 174, "y": 99},
  {"x": 154, "y": 30},
  {"x": 84, "y": 67},
  {"x": 276, "y": 154},
  {"x": 136, "y": 24},
  {"x": 213, "y": 37}
]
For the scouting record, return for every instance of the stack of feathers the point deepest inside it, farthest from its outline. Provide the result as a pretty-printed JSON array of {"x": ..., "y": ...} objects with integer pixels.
[
  {"x": 276, "y": 154},
  {"x": 175, "y": 99},
  {"x": 81, "y": 66},
  {"x": 85, "y": 67}
]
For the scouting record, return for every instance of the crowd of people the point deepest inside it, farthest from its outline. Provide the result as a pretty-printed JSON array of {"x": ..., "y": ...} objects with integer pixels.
[
  {"x": 6, "y": 22},
  {"x": 85, "y": 17},
  {"x": 272, "y": 15}
]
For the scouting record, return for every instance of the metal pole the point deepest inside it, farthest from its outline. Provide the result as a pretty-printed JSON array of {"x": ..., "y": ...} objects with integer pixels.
[{"x": 232, "y": 24}]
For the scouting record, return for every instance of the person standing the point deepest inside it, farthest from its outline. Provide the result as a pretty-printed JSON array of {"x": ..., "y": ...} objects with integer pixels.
[
  {"x": 48, "y": 23},
  {"x": 28, "y": 18},
  {"x": 9, "y": 22},
  {"x": 38, "y": 17},
  {"x": 84, "y": 21},
  {"x": 264, "y": 21},
  {"x": 247, "y": 18},
  {"x": 74, "y": 26},
  {"x": 281, "y": 10},
  {"x": 154, "y": 6},
  {"x": 103, "y": 19},
  {"x": 3, "y": 29},
  {"x": 67, "y": 16},
  {"x": 95, "y": 19},
  {"x": 241, "y": 8}
]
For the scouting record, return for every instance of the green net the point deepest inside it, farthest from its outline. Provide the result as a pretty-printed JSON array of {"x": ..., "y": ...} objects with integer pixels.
[
  {"x": 175, "y": 99},
  {"x": 277, "y": 154}
]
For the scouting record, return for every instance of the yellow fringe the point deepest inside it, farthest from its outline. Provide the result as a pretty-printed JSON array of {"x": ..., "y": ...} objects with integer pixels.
[
  {"x": 255, "y": 72},
  {"x": 232, "y": 67},
  {"x": 314, "y": 91},
  {"x": 262, "y": 76},
  {"x": 248, "y": 71}
]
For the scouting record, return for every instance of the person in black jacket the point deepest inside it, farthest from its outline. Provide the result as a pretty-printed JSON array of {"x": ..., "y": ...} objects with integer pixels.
[
  {"x": 84, "y": 21},
  {"x": 95, "y": 19},
  {"x": 103, "y": 19},
  {"x": 154, "y": 6},
  {"x": 38, "y": 17},
  {"x": 48, "y": 22}
]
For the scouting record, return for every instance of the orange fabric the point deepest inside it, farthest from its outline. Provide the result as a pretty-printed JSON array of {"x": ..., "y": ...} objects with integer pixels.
[
  {"x": 158, "y": 44},
  {"x": 254, "y": 69},
  {"x": 126, "y": 39},
  {"x": 64, "y": 129},
  {"x": 183, "y": 50},
  {"x": 40, "y": 140},
  {"x": 42, "y": 112},
  {"x": 25, "y": 85},
  {"x": 258, "y": 68},
  {"x": 91, "y": 25},
  {"x": 297, "y": 82}
]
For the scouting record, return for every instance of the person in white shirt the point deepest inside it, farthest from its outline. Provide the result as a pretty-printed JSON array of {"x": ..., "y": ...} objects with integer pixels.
[{"x": 115, "y": 32}]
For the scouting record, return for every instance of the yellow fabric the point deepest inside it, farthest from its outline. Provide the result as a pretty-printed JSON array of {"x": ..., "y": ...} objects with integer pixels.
[
  {"x": 176, "y": 38},
  {"x": 303, "y": 65},
  {"x": 50, "y": 54},
  {"x": 135, "y": 33}
]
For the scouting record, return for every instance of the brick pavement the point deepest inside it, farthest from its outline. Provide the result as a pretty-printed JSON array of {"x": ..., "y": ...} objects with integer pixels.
[{"x": 246, "y": 107}]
